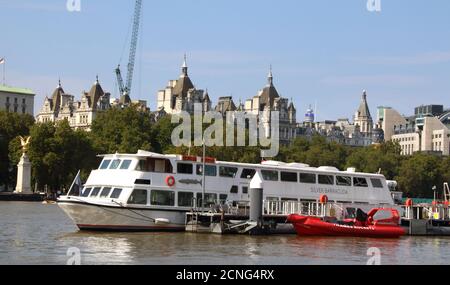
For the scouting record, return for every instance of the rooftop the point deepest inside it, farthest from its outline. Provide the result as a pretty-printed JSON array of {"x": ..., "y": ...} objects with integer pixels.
[{"x": 16, "y": 90}]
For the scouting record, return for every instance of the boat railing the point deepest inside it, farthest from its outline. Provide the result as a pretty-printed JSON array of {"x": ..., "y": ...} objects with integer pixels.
[
  {"x": 285, "y": 208},
  {"x": 426, "y": 212}
]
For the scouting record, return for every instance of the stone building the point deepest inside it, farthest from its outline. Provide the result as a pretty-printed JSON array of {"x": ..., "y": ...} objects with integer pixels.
[
  {"x": 426, "y": 131},
  {"x": 267, "y": 101},
  {"x": 181, "y": 95},
  {"x": 80, "y": 114},
  {"x": 16, "y": 100}
]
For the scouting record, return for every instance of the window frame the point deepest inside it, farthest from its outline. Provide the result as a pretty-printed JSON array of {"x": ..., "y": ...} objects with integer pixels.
[
  {"x": 265, "y": 177},
  {"x": 319, "y": 176},
  {"x": 139, "y": 204},
  {"x": 292, "y": 174},
  {"x": 185, "y": 164}
]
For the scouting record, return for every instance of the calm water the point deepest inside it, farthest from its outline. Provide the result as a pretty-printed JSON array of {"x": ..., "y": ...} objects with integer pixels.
[{"x": 32, "y": 233}]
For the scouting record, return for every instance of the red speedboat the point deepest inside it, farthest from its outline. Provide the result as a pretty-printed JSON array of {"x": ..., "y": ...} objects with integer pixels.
[{"x": 364, "y": 225}]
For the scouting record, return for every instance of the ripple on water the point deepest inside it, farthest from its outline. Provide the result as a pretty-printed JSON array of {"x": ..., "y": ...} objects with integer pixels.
[{"x": 32, "y": 233}]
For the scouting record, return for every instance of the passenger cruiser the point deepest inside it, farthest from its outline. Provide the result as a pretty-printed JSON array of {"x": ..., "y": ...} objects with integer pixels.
[{"x": 152, "y": 192}]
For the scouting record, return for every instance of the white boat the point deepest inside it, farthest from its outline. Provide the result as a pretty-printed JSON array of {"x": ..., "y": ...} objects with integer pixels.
[{"x": 153, "y": 192}]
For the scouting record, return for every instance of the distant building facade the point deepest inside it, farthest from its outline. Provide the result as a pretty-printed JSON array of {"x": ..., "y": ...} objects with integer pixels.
[
  {"x": 267, "y": 101},
  {"x": 360, "y": 132},
  {"x": 17, "y": 100},
  {"x": 181, "y": 95},
  {"x": 427, "y": 131},
  {"x": 80, "y": 114}
]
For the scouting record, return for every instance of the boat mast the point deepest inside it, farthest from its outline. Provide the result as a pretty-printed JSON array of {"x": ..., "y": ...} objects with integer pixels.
[{"x": 203, "y": 176}]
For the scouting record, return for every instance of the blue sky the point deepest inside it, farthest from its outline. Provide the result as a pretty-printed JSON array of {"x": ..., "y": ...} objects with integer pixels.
[{"x": 322, "y": 51}]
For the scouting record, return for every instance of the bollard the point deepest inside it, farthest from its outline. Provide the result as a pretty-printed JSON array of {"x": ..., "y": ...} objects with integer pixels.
[{"x": 256, "y": 199}]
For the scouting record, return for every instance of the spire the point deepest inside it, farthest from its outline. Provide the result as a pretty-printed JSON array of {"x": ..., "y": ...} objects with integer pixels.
[
  {"x": 59, "y": 83},
  {"x": 270, "y": 76},
  {"x": 363, "y": 110},
  {"x": 96, "y": 80},
  {"x": 184, "y": 68}
]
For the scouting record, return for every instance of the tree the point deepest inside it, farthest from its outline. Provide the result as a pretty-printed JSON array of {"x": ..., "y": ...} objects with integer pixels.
[
  {"x": 11, "y": 126},
  {"x": 418, "y": 174},
  {"x": 122, "y": 130},
  {"x": 385, "y": 157},
  {"x": 57, "y": 153}
]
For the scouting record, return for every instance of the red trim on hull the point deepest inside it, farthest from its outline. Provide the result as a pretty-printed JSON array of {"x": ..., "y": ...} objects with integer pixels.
[{"x": 127, "y": 228}]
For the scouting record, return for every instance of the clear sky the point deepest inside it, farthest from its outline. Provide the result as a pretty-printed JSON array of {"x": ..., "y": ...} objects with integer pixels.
[{"x": 322, "y": 51}]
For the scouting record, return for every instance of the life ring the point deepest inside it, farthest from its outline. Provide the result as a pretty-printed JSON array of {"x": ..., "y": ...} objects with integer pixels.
[
  {"x": 323, "y": 199},
  {"x": 170, "y": 181}
]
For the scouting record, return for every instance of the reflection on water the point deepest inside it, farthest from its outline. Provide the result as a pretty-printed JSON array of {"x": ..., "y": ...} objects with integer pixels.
[{"x": 41, "y": 234}]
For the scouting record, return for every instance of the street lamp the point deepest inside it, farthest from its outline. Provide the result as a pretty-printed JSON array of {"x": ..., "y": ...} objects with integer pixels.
[{"x": 434, "y": 191}]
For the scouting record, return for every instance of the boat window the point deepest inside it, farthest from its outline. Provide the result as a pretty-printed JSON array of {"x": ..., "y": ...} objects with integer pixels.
[
  {"x": 234, "y": 189},
  {"x": 86, "y": 192},
  {"x": 125, "y": 164},
  {"x": 326, "y": 179},
  {"x": 185, "y": 168},
  {"x": 95, "y": 192},
  {"x": 105, "y": 192},
  {"x": 211, "y": 170},
  {"x": 289, "y": 176},
  {"x": 309, "y": 178},
  {"x": 138, "y": 197},
  {"x": 116, "y": 193},
  {"x": 142, "y": 165},
  {"x": 244, "y": 190},
  {"x": 360, "y": 182},
  {"x": 343, "y": 180},
  {"x": 376, "y": 183},
  {"x": 185, "y": 199},
  {"x": 272, "y": 199},
  {"x": 105, "y": 164},
  {"x": 229, "y": 172},
  {"x": 248, "y": 173},
  {"x": 142, "y": 181},
  {"x": 115, "y": 164},
  {"x": 210, "y": 199},
  {"x": 223, "y": 198},
  {"x": 269, "y": 175},
  {"x": 162, "y": 198}
]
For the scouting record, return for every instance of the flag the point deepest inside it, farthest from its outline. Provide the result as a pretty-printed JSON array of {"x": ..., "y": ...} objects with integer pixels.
[
  {"x": 76, "y": 186},
  {"x": 2, "y": 60}
]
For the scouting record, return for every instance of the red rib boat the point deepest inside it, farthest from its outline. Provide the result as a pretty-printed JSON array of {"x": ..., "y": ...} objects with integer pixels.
[{"x": 364, "y": 225}]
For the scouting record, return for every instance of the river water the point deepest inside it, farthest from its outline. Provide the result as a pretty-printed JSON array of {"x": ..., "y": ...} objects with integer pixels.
[{"x": 33, "y": 233}]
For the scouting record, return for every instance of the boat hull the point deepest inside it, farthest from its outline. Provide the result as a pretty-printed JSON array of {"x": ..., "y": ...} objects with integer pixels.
[
  {"x": 312, "y": 226},
  {"x": 93, "y": 217}
]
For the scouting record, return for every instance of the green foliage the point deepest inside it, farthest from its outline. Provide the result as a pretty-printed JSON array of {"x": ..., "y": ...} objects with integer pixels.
[
  {"x": 418, "y": 174},
  {"x": 385, "y": 158},
  {"x": 317, "y": 152},
  {"x": 57, "y": 153},
  {"x": 11, "y": 126},
  {"x": 122, "y": 130}
]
